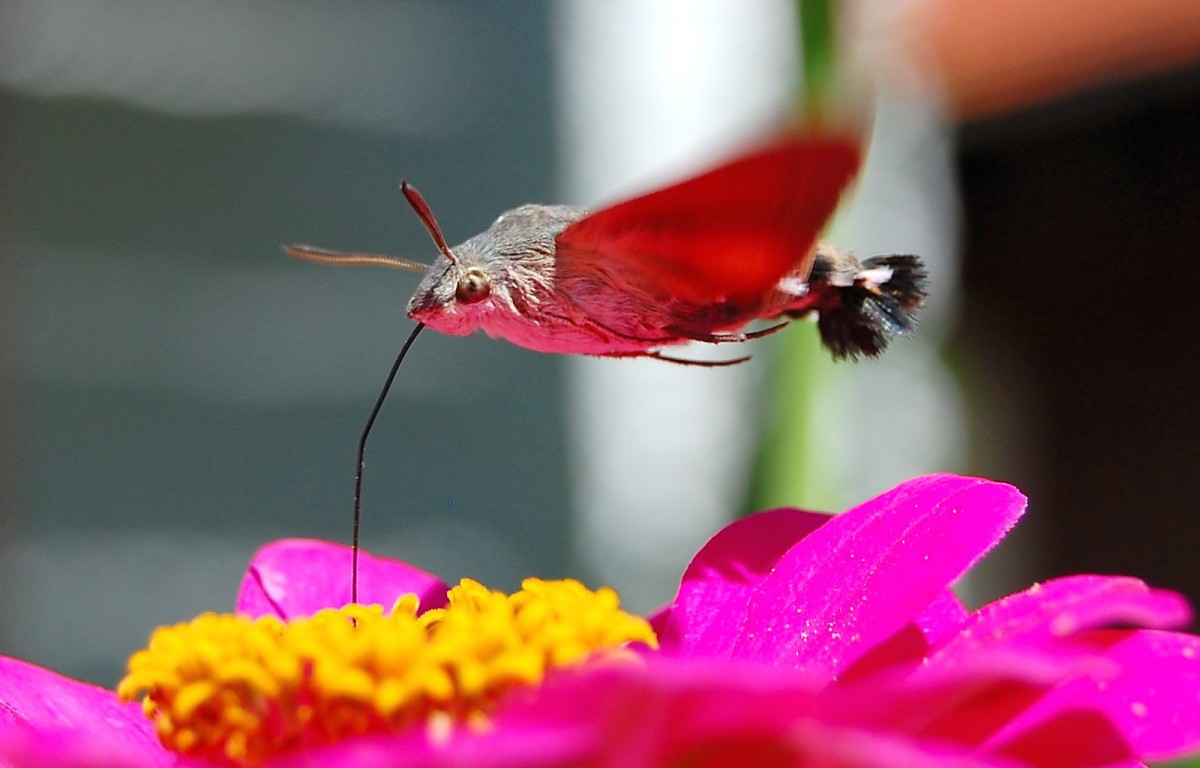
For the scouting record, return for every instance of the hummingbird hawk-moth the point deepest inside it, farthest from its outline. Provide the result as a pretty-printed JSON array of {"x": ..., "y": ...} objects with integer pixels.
[{"x": 694, "y": 261}]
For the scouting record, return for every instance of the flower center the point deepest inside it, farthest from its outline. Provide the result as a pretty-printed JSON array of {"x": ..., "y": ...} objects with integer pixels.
[{"x": 240, "y": 690}]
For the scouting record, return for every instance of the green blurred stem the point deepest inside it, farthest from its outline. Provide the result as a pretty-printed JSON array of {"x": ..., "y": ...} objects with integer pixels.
[
  {"x": 798, "y": 464},
  {"x": 817, "y": 53}
]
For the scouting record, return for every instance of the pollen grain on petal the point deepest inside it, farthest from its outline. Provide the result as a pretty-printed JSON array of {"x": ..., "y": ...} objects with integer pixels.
[{"x": 237, "y": 690}]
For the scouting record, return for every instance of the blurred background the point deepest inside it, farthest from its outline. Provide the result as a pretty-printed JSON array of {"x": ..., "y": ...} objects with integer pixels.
[{"x": 174, "y": 392}]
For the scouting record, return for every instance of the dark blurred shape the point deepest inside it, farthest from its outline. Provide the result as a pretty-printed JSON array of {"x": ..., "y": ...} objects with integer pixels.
[{"x": 1082, "y": 228}]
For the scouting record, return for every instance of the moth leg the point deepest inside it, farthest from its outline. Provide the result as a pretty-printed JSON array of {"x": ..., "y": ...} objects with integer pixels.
[
  {"x": 722, "y": 338},
  {"x": 765, "y": 331},
  {"x": 699, "y": 363},
  {"x": 681, "y": 361}
]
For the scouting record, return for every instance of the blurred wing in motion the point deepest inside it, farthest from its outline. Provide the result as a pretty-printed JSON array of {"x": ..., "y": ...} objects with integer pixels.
[{"x": 726, "y": 236}]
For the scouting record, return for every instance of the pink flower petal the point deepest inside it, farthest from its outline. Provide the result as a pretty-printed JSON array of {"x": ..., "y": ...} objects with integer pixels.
[
  {"x": 1151, "y": 695},
  {"x": 1071, "y": 739},
  {"x": 535, "y": 745},
  {"x": 1058, "y": 619},
  {"x": 50, "y": 720},
  {"x": 1052, "y": 624},
  {"x": 856, "y": 748},
  {"x": 700, "y": 712},
  {"x": 870, "y": 571},
  {"x": 909, "y": 645},
  {"x": 966, "y": 704},
  {"x": 715, "y": 591},
  {"x": 942, "y": 617},
  {"x": 298, "y": 577},
  {"x": 1066, "y": 606}
]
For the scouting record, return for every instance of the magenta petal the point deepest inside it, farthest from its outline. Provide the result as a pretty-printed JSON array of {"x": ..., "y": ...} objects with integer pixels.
[
  {"x": 298, "y": 577},
  {"x": 1071, "y": 739},
  {"x": 50, "y": 720},
  {"x": 1151, "y": 695},
  {"x": 554, "y": 744},
  {"x": 941, "y": 617},
  {"x": 1063, "y": 607},
  {"x": 699, "y": 712},
  {"x": 825, "y": 745},
  {"x": 909, "y": 645},
  {"x": 647, "y": 715},
  {"x": 709, "y": 610},
  {"x": 865, "y": 574},
  {"x": 1053, "y": 619},
  {"x": 967, "y": 703}
]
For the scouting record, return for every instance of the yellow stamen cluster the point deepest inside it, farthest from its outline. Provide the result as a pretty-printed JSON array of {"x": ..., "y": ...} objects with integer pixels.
[{"x": 238, "y": 690}]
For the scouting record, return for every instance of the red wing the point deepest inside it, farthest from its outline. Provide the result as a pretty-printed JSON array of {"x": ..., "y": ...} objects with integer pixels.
[{"x": 727, "y": 235}]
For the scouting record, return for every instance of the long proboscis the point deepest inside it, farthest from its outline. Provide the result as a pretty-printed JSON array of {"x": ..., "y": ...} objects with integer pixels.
[
  {"x": 362, "y": 454},
  {"x": 326, "y": 256}
]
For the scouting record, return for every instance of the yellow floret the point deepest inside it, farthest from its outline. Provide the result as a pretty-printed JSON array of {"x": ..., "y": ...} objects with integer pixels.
[{"x": 239, "y": 690}]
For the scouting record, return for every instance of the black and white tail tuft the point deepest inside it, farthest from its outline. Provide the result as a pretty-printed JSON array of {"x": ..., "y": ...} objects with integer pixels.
[{"x": 859, "y": 316}]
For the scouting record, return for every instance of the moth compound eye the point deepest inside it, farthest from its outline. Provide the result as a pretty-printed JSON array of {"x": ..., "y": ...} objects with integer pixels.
[{"x": 473, "y": 286}]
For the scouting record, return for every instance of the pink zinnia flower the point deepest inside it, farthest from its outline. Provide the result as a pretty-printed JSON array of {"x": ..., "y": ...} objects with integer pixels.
[{"x": 796, "y": 639}]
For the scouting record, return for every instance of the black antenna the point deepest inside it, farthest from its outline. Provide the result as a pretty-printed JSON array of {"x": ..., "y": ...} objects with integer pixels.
[{"x": 362, "y": 450}]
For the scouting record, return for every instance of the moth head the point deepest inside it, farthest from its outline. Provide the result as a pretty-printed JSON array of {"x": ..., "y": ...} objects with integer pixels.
[
  {"x": 451, "y": 296},
  {"x": 497, "y": 278},
  {"x": 458, "y": 281}
]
